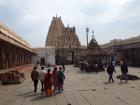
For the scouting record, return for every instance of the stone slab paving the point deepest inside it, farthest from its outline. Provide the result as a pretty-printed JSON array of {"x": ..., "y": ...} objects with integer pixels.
[{"x": 80, "y": 89}]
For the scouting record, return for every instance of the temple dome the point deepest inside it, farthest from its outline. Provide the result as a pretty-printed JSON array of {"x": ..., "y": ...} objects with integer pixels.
[{"x": 93, "y": 43}]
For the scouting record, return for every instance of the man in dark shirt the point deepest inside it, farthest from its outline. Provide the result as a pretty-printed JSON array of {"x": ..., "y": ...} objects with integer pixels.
[
  {"x": 110, "y": 70},
  {"x": 34, "y": 77},
  {"x": 124, "y": 70}
]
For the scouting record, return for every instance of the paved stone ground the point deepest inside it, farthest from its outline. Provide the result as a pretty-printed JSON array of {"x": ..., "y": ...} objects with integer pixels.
[{"x": 80, "y": 89}]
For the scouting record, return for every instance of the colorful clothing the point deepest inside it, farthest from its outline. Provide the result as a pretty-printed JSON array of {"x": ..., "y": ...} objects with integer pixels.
[
  {"x": 48, "y": 84},
  {"x": 55, "y": 80},
  {"x": 61, "y": 78}
]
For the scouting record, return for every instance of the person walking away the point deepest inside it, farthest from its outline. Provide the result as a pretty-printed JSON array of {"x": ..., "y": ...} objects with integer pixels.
[
  {"x": 34, "y": 77},
  {"x": 48, "y": 83},
  {"x": 61, "y": 78},
  {"x": 41, "y": 74},
  {"x": 110, "y": 70},
  {"x": 55, "y": 79},
  {"x": 63, "y": 66},
  {"x": 124, "y": 71}
]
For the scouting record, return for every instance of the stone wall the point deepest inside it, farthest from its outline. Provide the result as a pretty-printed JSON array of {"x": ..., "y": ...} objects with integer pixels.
[{"x": 48, "y": 54}]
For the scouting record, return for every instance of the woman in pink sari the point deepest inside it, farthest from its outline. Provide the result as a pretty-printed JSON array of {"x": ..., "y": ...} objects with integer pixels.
[{"x": 55, "y": 79}]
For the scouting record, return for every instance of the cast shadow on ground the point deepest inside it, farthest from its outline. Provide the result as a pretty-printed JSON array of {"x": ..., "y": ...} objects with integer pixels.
[
  {"x": 33, "y": 96},
  {"x": 106, "y": 83},
  {"x": 84, "y": 72},
  {"x": 37, "y": 98},
  {"x": 41, "y": 97},
  {"x": 122, "y": 83},
  {"x": 129, "y": 77},
  {"x": 111, "y": 83},
  {"x": 28, "y": 94}
]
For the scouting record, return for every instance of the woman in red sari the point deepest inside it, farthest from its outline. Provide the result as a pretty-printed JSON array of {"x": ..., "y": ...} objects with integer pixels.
[
  {"x": 55, "y": 79},
  {"x": 48, "y": 83}
]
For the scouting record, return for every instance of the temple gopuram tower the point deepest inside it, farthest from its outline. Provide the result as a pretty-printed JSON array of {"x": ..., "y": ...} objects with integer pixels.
[
  {"x": 65, "y": 41},
  {"x": 68, "y": 39},
  {"x": 55, "y": 30}
]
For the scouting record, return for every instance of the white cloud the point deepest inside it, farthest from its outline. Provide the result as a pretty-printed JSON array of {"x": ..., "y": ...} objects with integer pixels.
[{"x": 109, "y": 18}]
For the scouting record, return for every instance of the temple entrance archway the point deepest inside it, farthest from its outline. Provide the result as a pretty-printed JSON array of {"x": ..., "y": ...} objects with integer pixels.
[
  {"x": 42, "y": 61},
  {"x": 70, "y": 57}
]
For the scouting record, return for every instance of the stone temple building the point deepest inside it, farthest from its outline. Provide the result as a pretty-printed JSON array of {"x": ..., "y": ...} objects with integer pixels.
[
  {"x": 127, "y": 49},
  {"x": 44, "y": 55},
  {"x": 55, "y": 30},
  {"x": 65, "y": 40},
  {"x": 15, "y": 52},
  {"x": 95, "y": 54},
  {"x": 68, "y": 49}
]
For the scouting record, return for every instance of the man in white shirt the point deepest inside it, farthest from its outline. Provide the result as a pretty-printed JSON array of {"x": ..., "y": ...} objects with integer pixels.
[{"x": 41, "y": 74}]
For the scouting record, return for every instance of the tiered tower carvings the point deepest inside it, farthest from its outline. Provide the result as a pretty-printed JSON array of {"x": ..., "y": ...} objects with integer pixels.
[
  {"x": 55, "y": 30},
  {"x": 62, "y": 37}
]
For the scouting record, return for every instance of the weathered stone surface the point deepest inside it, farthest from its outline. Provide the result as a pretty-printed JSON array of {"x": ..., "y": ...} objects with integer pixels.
[
  {"x": 61, "y": 36},
  {"x": 55, "y": 30},
  {"x": 65, "y": 41},
  {"x": 80, "y": 89},
  {"x": 127, "y": 49}
]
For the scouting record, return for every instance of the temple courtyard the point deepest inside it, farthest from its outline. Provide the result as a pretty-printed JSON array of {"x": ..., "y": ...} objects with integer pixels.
[{"x": 80, "y": 88}]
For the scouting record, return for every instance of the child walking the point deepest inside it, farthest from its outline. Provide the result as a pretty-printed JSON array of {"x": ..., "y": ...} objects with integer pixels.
[{"x": 61, "y": 78}]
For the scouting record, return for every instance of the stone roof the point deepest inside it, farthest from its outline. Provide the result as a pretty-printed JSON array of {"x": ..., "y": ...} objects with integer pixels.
[
  {"x": 93, "y": 43},
  {"x": 44, "y": 48},
  {"x": 94, "y": 48},
  {"x": 10, "y": 36},
  {"x": 118, "y": 42}
]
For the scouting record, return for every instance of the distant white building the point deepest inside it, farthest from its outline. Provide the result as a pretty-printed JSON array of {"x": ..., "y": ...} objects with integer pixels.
[{"x": 44, "y": 55}]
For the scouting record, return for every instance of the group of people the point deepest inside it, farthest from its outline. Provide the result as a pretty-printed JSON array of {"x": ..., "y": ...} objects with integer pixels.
[
  {"x": 124, "y": 71},
  {"x": 51, "y": 82}
]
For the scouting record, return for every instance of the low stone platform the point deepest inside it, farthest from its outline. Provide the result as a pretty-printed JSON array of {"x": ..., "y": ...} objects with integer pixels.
[{"x": 80, "y": 89}]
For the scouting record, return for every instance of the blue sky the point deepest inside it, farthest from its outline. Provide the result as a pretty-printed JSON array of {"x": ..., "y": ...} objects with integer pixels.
[{"x": 109, "y": 19}]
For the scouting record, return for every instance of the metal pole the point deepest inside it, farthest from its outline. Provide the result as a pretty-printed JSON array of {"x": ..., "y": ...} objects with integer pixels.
[
  {"x": 77, "y": 50},
  {"x": 87, "y": 31}
]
